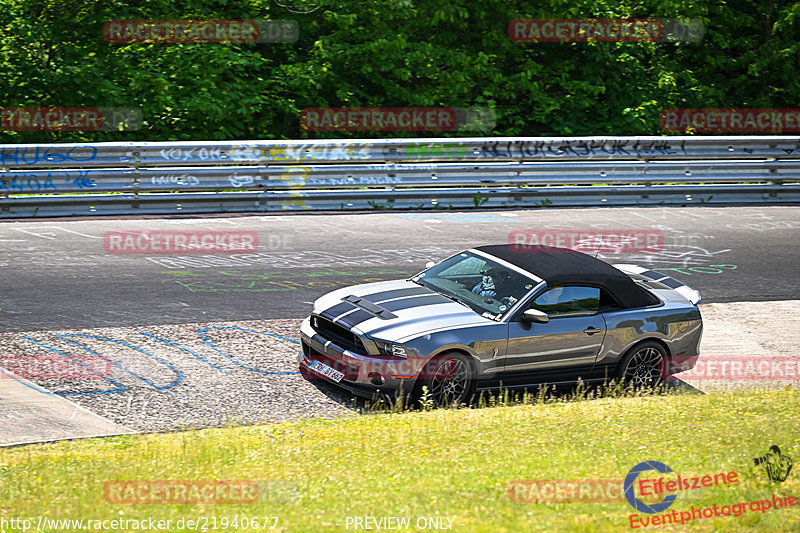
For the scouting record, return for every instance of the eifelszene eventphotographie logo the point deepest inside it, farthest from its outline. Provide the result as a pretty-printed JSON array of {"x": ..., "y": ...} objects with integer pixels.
[
  {"x": 667, "y": 487},
  {"x": 630, "y": 495},
  {"x": 776, "y": 465}
]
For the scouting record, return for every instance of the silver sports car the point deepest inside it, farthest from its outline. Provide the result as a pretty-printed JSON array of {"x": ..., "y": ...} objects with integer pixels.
[{"x": 495, "y": 316}]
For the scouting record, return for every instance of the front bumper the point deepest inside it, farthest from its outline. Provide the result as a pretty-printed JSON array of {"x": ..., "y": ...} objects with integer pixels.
[{"x": 368, "y": 376}]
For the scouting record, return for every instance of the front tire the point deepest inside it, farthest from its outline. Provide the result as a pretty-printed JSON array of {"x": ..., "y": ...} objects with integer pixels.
[
  {"x": 449, "y": 380},
  {"x": 643, "y": 366}
]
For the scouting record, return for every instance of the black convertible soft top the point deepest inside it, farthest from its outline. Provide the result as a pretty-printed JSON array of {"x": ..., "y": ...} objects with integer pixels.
[{"x": 561, "y": 266}]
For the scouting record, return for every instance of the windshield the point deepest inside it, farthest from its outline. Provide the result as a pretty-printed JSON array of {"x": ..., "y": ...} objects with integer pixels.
[{"x": 488, "y": 288}]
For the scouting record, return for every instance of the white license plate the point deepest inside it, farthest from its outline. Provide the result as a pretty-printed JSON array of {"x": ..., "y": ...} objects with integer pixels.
[{"x": 325, "y": 370}]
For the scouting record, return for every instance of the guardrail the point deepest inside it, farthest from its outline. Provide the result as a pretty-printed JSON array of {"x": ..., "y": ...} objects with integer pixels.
[{"x": 203, "y": 177}]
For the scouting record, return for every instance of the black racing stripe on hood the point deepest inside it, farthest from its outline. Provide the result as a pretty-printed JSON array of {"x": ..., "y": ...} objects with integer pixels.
[
  {"x": 356, "y": 318},
  {"x": 663, "y": 279},
  {"x": 671, "y": 283},
  {"x": 395, "y": 293},
  {"x": 652, "y": 274},
  {"x": 338, "y": 309},
  {"x": 408, "y": 303}
]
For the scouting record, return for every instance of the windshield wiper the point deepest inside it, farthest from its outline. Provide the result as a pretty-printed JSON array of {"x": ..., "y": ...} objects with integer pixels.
[
  {"x": 459, "y": 301},
  {"x": 453, "y": 298},
  {"x": 438, "y": 291}
]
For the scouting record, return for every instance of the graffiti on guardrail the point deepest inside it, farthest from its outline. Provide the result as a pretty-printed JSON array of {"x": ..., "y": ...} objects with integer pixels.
[
  {"x": 23, "y": 155},
  {"x": 360, "y": 180},
  {"x": 27, "y": 182},
  {"x": 187, "y": 179},
  {"x": 580, "y": 148},
  {"x": 429, "y": 150},
  {"x": 355, "y": 165},
  {"x": 300, "y": 152},
  {"x": 297, "y": 177},
  {"x": 241, "y": 180},
  {"x": 175, "y": 179},
  {"x": 564, "y": 148},
  {"x": 191, "y": 154},
  {"x": 22, "y": 184}
]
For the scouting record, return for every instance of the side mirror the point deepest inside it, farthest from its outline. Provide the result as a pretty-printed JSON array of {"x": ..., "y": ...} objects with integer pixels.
[
  {"x": 534, "y": 315},
  {"x": 430, "y": 264}
]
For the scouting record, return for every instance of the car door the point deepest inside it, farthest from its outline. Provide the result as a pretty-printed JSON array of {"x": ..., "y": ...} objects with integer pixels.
[{"x": 562, "y": 349}]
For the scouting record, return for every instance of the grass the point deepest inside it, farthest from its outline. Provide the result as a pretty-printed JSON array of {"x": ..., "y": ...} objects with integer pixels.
[{"x": 313, "y": 474}]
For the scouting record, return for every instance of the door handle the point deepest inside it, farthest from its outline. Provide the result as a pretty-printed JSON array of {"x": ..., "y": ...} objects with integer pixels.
[{"x": 591, "y": 330}]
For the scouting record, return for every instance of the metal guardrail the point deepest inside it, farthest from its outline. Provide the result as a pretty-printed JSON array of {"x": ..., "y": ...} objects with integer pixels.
[{"x": 239, "y": 176}]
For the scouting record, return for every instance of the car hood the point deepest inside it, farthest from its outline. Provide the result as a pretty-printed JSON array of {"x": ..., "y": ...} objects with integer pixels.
[{"x": 394, "y": 310}]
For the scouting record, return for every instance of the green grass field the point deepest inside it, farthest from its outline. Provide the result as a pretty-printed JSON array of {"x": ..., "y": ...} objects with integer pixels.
[{"x": 451, "y": 464}]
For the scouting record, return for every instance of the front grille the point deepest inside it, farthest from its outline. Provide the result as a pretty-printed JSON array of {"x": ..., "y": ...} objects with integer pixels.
[{"x": 338, "y": 334}]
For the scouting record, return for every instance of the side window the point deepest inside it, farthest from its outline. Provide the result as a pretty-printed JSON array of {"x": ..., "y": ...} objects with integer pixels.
[
  {"x": 607, "y": 303},
  {"x": 568, "y": 301}
]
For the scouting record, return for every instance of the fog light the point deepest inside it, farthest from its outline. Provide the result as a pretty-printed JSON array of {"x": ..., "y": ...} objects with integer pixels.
[{"x": 376, "y": 379}]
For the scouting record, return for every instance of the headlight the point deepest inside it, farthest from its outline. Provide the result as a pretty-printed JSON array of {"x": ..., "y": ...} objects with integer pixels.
[{"x": 389, "y": 348}]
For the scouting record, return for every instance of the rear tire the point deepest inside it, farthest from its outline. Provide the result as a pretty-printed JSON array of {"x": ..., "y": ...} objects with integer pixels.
[{"x": 644, "y": 366}]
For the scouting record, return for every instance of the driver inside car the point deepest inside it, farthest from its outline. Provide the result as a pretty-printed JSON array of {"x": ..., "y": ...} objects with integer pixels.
[{"x": 494, "y": 283}]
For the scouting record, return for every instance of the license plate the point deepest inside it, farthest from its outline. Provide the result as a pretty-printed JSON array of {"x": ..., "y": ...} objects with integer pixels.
[{"x": 325, "y": 370}]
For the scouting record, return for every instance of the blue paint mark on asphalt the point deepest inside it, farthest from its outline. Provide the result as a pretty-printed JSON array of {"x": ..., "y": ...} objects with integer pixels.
[
  {"x": 208, "y": 343},
  {"x": 182, "y": 348},
  {"x": 174, "y": 383},
  {"x": 121, "y": 387}
]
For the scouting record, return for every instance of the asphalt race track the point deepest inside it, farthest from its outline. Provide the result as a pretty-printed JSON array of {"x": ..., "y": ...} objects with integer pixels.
[
  {"x": 57, "y": 274},
  {"x": 207, "y": 339}
]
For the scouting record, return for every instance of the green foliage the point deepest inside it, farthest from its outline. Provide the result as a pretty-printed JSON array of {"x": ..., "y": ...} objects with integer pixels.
[
  {"x": 391, "y": 53},
  {"x": 479, "y": 199},
  {"x": 459, "y": 463}
]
